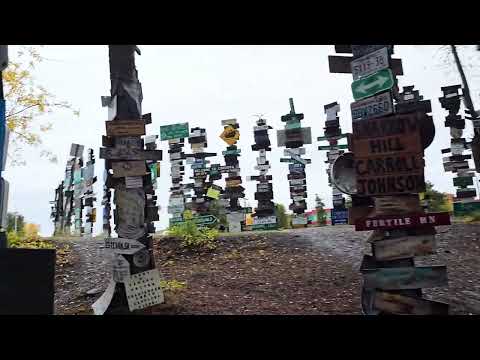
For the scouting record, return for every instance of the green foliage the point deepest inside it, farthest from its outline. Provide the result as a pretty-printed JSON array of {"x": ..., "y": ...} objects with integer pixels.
[
  {"x": 173, "y": 285},
  {"x": 11, "y": 222},
  {"x": 321, "y": 213},
  {"x": 437, "y": 201},
  {"x": 472, "y": 218},
  {"x": 29, "y": 239},
  {"x": 194, "y": 237},
  {"x": 283, "y": 218}
]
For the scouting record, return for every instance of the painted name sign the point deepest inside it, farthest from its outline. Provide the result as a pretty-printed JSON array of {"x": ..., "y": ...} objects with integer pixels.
[{"x": 405, "y": 221}]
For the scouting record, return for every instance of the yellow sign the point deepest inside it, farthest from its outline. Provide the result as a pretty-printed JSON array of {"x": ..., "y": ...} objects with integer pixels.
[
  {"x": 248, "y": 219},
  {"x": 213, "y": 193},
  {"x": 230, "y": 135}
]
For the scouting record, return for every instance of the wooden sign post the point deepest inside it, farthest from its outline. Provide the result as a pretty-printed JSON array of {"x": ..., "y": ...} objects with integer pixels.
[
  {"x": 200, "y": 202},
  {"x": 333, "y": 133},
  {"x": 264, "y": 217},
  {"x": 233, "y": 188},
  {"x": 293, "y": 138},
  {"x": 390, "y": 132},
  {"x": 135, "y": 283},
  {"x": 175, "y": 134},
  {"x": 457, "y": 162}
]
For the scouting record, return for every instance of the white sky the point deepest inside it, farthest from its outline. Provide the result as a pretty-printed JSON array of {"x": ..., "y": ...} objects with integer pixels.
[{"x": 203, "y": 85}]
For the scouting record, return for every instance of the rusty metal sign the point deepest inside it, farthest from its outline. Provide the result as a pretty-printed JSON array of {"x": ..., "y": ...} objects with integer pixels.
[
  {"x": 386, "y": 222},
  {"x": 125, "y": 127},
  {"x": 129, "y": 168}
]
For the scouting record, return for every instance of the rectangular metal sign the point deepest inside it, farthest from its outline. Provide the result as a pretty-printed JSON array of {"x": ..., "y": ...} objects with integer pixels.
[
  {"x": 402, "y": 278},
  {"x": 373, "y": 84},
  {"x": 402, "y": 221},
  {"x": 370, "y": 63},
  {"x": 175, "y": 131},
  {"x": 125, "y": 127},
  {"x": 133, "y": 182},
  {"x": 372, "y": 107}
]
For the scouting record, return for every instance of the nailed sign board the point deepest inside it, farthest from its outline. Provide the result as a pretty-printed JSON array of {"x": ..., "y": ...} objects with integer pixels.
[
  {"x": 373, "y": 84},
  {"x": 370, "y": 63},
  {"x": 123, "y": 246},
  {"x": 402, "y": 278},
  {"x": 372, "y": 107},
  {"x": 386, "y": 222},
  {"x": 390, "y": 174},
  {"x": 128, "y": 168},
  {"x": 175, "y": 131},
  {"x": 125, "y": 127},
  {"x": 129, "y": 154},
  {"x": 133, "y": 182},
  {"x": 404, "y": 247},
  {"x": 399, "y": 304},
  {"x": 395, "y": 144},
  {"x": 306, "y": 136}
]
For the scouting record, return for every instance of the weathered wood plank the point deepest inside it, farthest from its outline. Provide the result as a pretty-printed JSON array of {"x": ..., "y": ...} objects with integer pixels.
[
  {"x": 125, "y": 127},
  {"x": 129, "y": 168},
  {"x": 406, "y": 305},
  {"x": 404, "y": 247},
  {"x": 129, "y": 154}
]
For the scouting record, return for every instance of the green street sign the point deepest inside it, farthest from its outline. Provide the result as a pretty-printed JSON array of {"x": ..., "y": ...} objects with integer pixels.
[
  {"x": 205, "y": 220},
  {"x": 341, "y": 136},
  {"x": 293, "y": 124},
  {"x": 373, "y": 84},
  {"x": 465, "y": 209},
  {"x": 265, "y": 227},
  {"x": 462, "y": 181},
  {"x": 231, "y": 152},
  {"x": 175, "y": 131},
  {"x": 328, "y": 147}
]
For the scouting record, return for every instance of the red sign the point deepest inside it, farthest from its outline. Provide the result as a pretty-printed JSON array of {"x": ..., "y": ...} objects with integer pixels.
[{"x": 402, "y": 221}]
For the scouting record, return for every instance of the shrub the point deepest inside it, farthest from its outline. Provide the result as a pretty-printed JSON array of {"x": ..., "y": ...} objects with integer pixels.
[
  {"x": 172, "y": 285},
  {"x": 28, "y": 239},
  {"x": 194, "y": 237}
]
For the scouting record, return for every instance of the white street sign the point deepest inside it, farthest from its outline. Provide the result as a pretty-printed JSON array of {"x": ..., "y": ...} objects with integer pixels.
[
  {"x": 123, "y": 246},
  {"x": 370, "y": 63}
]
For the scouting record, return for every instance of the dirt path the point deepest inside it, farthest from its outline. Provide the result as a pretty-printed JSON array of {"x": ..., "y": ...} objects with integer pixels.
[{"x": 303, "y": 271}]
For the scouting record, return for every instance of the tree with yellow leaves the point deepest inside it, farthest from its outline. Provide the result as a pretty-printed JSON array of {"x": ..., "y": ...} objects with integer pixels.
[{"x": 26, "y": 101}]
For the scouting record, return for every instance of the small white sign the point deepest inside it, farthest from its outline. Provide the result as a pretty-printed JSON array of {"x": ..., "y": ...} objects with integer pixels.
[
  {"x": 264, "y": 220},
  {"x": 121, "y": 269},
  {"x": 297, "y": 151},
  {"x": 123, "y": 246},
  {"x": 299, "y": 220},
  {"x": 101, "y": 305},
  {"x": 262, "y": 167},
  {"x": 143, "y": 290},
  {"x": 133, "y": 182}
]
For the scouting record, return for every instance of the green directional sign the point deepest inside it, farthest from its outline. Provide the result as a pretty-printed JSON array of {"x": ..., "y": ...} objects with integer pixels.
[
  {"x": 328, "y": 147},
  {"x": 463, "y": 181},
  {"x": 265, "y": 227},
  {"x": 199, "y": 220},
  {"x": 175, "y": 131},
  {"x": 373, "y": 84},
  {"x": 341, "y": 136},
  {"x": 231, "y": 152}
]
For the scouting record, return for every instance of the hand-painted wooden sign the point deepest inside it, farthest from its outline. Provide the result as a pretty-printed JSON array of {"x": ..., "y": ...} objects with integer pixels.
[
  {"x": 125, "y": 127},
  {"x": 404, "y": 247},
  {"x": 406, "y": 305},
  {"x": 129, "y": 154},
  {"x": 128, "y": 168},
  {"x": 407, "y": 143},
  {"x": 402, "y": 221},
  {"x": 399, "y": 278}
]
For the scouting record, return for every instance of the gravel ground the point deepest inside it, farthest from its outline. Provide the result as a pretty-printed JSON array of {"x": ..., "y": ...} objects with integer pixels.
[{"x": 302, "y": 271}]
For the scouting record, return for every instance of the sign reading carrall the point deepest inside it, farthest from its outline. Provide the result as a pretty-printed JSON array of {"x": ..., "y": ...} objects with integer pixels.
[{"x": 389, "y": 155}]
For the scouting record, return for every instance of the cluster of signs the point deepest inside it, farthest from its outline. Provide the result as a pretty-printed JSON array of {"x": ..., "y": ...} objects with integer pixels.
[
  {"x": 333, "y": 133},
  {"x": 388, "y": 143},
  {"x": 457, "y": 161},
  {"x": 293, "y": 137},
  {"x": 264, "y": 217}
]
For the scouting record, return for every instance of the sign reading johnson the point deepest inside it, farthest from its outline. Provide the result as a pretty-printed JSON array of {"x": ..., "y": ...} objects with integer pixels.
[{"x": 389, "y": 155}]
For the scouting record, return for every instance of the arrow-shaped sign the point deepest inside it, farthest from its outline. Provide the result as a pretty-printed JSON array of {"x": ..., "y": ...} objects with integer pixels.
[
  {"x": 373, "y": 84},
  {"x": 123, "y": 246}
]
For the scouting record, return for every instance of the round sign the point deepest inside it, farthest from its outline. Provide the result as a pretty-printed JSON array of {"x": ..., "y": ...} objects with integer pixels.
[
  {"x": 427, "y": 131},
  {"x": 141, "y": 258},
  {"x": 343, "y": 174}
]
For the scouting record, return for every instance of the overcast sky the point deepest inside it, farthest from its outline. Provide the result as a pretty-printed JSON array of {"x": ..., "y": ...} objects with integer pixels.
[{"x": 203, "y": 85}]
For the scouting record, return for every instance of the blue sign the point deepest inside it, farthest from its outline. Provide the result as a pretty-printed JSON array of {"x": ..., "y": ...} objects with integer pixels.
[
  {"x": 296, "y": 167},
  {"x": 339, "y": 216}
]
